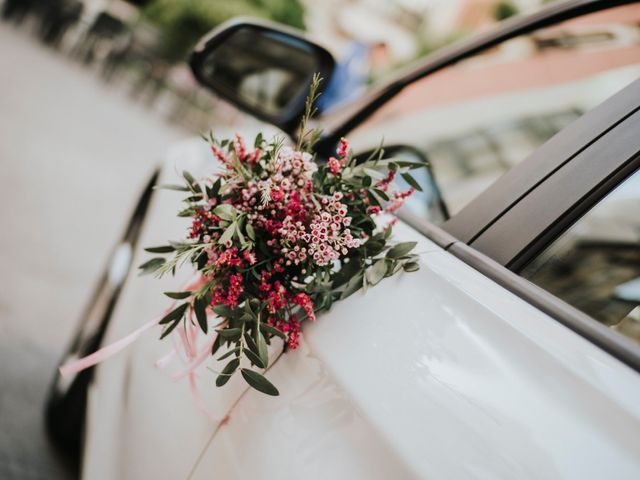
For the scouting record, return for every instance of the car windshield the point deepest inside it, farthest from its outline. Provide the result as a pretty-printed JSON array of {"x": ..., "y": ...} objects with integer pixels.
[{"x": 478, "y": 118}]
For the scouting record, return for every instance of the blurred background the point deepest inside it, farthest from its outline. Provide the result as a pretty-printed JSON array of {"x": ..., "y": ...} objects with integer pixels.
[{"x": 92, "y": 94}]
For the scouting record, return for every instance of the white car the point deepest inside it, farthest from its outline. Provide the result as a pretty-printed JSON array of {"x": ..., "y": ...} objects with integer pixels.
[{"x": 512, "y": 353}]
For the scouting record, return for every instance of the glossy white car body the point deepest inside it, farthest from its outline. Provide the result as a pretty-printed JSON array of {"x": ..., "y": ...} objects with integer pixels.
[{"x": 440, "y": 373}]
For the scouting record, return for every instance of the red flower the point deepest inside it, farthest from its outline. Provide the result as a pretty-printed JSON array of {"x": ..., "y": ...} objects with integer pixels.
[
  {"x": 277, "y": 298},
  {"x": 277, "y": 194},
  {"x": 303, "y": 300},
  {"x": 250, "y": 257},
  {"x": 291, "y": 328},
  {"x": 373, "y": 210},
  {"x": 385, "y": 182},
  {"x": 343, "y": 148},
  {"x": 232, "y": 295}
]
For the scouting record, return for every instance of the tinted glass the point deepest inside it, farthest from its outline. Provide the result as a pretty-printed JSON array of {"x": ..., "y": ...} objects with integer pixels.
[
  {"x": 477, "y": 119},
  {"x": 595, "y": 265},
  {"x": 265, "y": 70}
]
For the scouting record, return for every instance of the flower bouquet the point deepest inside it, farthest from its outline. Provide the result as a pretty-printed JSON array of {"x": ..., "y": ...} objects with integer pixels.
[{"x": 275, "y": 238}]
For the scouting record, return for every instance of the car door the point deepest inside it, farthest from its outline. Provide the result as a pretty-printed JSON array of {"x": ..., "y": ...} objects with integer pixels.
[
  {"x": 574, "y": 202},
  {"x": 446, "y": 373},
  {"x": 459, "y": 371}
]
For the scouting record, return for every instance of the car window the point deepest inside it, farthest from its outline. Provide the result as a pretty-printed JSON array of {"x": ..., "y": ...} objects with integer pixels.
[
  {"x": 478, "y": 118},
  {"x": 595, "y": 265}
]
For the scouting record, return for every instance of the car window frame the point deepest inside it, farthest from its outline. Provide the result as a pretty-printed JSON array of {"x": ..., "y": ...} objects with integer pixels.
[
  {"x": 503, "y": 234},
  {"x": 573, "y": 188},
  {"x": 485, "y": 209},
  {"x": 476, "y": 233}
]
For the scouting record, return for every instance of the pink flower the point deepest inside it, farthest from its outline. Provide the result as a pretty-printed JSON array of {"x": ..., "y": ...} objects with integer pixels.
[
  {"x": 335, "y": 165},
  {"x": 240, "y": 148},
  {"x": 219, "y": 154}
]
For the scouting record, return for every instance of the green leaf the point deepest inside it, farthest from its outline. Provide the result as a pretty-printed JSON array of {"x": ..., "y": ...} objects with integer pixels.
[
  {"x": 175, "y": 314},
  {"x": 177, "y": 188},
  {"x": 163, "y": 249},
  {"x": 217, "y": 343},
  {"x": 228, "y": 370},
  {"x": 259, "y": 382},
  {"x": 223, "y": 311},
  {"x": 251, "y": 344},
  {"x": 169, "y": 329},
  {"x": 193, "y": 185},
  {"x": 200, "y": 308},
  {"x": 207, "y": 297},
  {"x": 272, "y": 330},
  {"x": 230, "y": 333},
  {"x": 262, "y": 349},
  {"x": 201, "y": 260},
  {"x": 377, "y": 272},
  {"x": 215, "y": 188},
  {"x": 228, "y": 234},
  {"x": 352, "y": 286},
  {"x": 255, "y": 359},
  {"x": 251, "y": 232},
  {"x": 240, "y": 235},
  {"x": 224, "y": 211},
  {"x": 151, "y": 265},
  {"x": 178, "y": 295},
  {"x": 382, "y": 194},
  {"x": 259, "y": 140},
  {"x": 229, "y": 353},
  {"x": 401, "y": 249},
  {"x": 374, "y": 246},
  {"x": 411, "y": 266},
  {"x": 411, "y": 181}
]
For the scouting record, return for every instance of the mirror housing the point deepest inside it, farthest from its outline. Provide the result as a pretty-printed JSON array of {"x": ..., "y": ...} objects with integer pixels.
[{"x": 262, "y": 68}]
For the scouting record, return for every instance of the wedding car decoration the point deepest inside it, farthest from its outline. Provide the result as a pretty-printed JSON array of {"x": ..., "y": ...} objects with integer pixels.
[{"x": 274, "y": 239}]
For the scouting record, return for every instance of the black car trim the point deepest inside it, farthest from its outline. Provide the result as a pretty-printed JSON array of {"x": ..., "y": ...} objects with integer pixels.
[
  {"x": 434, "y": 233},
  {"x": 487, "y": 208},
  {"x": 287, "y": 121},
  {"x": 548, "y": 210}
]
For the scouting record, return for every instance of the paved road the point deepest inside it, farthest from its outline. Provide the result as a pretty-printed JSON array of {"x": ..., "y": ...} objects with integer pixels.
[{"x": 73, "y": 155}]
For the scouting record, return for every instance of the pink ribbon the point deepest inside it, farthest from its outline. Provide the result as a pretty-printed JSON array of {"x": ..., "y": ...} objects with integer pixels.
[
  {"x": 196, "y": 360},
  {"x": 108, "y": 351},
  {"x": 164, "y": 361},
  {"x": 188, "y": 343}
]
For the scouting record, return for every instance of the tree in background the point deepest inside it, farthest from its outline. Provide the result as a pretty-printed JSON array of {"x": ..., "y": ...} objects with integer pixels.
[
  {"x": 503, "y": 10},
  {"x": 183, "y": 22}
]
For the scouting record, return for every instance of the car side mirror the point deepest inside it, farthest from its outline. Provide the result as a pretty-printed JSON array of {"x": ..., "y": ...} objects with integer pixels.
[{"x": 262, "y": 68}]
